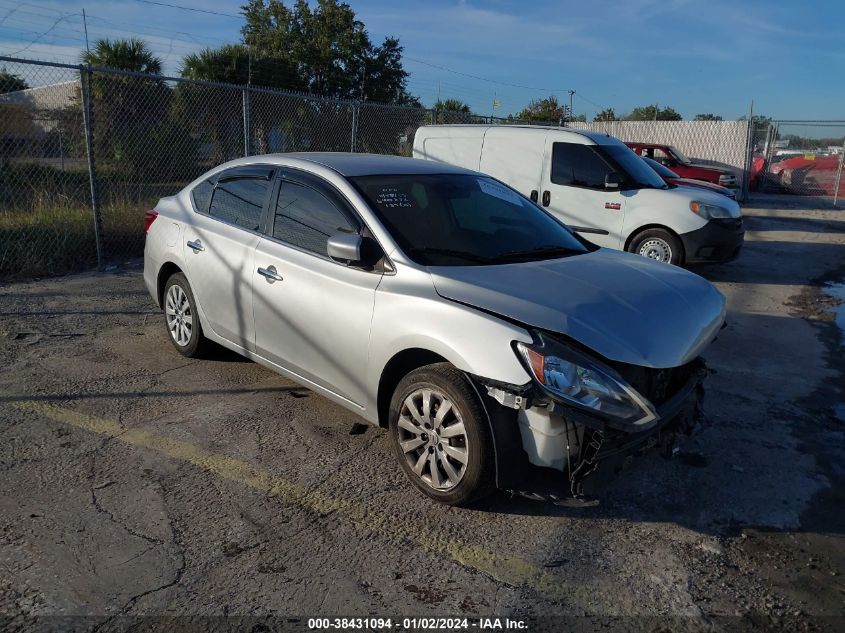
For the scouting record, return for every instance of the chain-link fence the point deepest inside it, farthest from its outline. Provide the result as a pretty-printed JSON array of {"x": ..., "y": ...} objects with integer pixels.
[
  {"x": 722, "y": 144},
  {"x": 799, "y": 157},
  {"x": 87, "y": 150}
]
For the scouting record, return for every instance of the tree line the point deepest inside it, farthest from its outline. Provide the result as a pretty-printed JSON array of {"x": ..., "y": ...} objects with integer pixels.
[
  {"x": 146, "y": 128},
  {"x": 323, "y": 50}
]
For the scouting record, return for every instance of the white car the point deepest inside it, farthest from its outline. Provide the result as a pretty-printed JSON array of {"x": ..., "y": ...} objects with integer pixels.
[
  {"x": 596, "y": 185},
  {"x": 498, "y": 347}
]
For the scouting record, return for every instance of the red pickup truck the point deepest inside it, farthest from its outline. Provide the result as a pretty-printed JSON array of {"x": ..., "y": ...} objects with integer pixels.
[{"x": 672, "y": 158}]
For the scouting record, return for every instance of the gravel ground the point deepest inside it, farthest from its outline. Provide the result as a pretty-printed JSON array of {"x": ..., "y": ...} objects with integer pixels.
[{"x": 137, "y": 482}]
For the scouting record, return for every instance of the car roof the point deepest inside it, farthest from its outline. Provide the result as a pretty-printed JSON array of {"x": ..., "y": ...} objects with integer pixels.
[
  {"x": 599, "y": 138},
  {"x": 348, "y": 164}
]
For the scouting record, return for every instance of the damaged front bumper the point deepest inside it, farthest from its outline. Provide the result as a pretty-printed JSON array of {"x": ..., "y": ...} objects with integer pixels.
[{"x": 548, "y": 450}]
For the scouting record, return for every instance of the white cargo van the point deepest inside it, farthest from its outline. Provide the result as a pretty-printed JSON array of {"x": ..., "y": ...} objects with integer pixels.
[{"x": 594, "y": 183}]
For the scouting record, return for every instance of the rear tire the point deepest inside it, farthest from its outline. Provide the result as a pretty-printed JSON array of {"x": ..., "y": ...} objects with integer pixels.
[
  {"x": 181, "y": 317},
  {"x": 659, "y": 245},
  {"x": 441, "y": 435}
]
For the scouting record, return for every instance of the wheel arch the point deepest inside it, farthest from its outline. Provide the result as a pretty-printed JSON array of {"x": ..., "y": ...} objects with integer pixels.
[
  {"x": 400, "y": 365},
  {"x": 662, "y": 227},
  {"x": 167, "y": 270}
]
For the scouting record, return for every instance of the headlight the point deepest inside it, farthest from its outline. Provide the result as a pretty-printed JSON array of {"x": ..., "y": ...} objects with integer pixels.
[
  {"x": 583, "y": 382},
  {"x": 709, "y": 211}
]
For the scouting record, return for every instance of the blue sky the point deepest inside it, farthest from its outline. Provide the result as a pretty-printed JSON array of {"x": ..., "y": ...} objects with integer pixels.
[{"x": 696, "y": 56}]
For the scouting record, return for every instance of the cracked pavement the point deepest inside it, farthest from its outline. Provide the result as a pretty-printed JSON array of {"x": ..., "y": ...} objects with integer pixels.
[{"x": 136, "y": 483}]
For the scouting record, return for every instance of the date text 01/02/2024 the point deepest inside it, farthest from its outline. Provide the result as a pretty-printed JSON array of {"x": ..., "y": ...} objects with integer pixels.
[{"x": 433, "y": 624}]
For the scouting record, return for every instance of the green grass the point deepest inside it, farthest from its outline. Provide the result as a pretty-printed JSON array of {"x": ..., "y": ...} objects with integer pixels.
[
  {"x": 47, "y": 225},
  {"x": 52, "y": 240}
]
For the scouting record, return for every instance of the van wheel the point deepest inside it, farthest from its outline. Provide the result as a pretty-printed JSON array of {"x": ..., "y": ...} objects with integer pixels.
[
  {"x": 441, "y": 436},
  {"x": 181, "y": 317},
  {"x": 659, "y": 245}
]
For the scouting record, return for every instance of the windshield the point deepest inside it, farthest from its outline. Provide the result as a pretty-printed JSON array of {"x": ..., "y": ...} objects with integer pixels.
[
  {"x": 638, "y": 174},
  {"x": 662, "y": 170},
  {"x": 457, "y": 220},
  {"x": 679, "y": 155}
]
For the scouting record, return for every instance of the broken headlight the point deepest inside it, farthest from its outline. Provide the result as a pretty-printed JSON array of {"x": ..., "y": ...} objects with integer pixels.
[{"x": 574, "y": 378}]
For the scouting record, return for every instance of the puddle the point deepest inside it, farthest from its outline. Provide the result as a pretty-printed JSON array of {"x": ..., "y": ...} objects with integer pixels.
[{"x": 837, "y": 291}]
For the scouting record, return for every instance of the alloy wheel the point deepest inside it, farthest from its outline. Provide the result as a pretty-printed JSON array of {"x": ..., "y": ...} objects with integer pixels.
[
  {"x": 180, "y": 319},
  {"x": 433, "y": 438}
]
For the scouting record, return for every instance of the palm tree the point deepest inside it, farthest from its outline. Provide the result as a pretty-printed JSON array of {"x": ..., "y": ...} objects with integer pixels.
[
  {"x": 133, "y": 131},
  {"x": 227, "y": 64},
  {"x": 216, "y": 117},
  {"x": 214, "y": 114},
  {"x": 452, "y": 111},
  {"x": 124, "y": 54},
  {"x": 452, "y": 105}
]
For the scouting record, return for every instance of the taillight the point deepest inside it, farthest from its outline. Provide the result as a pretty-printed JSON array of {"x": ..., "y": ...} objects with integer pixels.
[{"x": 149, "y": 218}]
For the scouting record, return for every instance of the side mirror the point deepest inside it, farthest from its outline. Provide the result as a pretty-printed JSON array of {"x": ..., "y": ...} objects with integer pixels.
[
  {"x": 613, "y": 180},
  {"x": 344, "y": 247}
]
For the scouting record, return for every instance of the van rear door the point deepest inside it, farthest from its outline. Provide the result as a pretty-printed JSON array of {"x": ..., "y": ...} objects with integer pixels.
[
  {"x": 573, "y": 188},
  {"x": 514, "y": 158}
]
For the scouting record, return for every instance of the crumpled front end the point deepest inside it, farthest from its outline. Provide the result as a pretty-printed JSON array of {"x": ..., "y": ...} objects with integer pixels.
[{"x": 547, "y": 449}]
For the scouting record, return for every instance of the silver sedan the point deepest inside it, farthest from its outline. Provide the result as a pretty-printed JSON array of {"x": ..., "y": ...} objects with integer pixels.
[{"x": 499, "y": 348}]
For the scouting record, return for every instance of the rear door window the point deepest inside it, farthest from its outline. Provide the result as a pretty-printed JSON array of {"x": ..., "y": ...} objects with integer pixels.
[
  {"x": 240, "y": 201},
  {"x": 578, "y": 166}
]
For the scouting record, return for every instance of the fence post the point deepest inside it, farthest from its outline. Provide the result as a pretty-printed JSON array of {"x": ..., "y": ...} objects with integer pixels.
[
  {"x": 771, "y": 137},
  {"x": 749, "y": 152},
  {"x": 85, "y": 80},
  {"x": 247, "y": 126},
  {"x": 839, "y": 175},
  {"x": 354, "y": 126}
]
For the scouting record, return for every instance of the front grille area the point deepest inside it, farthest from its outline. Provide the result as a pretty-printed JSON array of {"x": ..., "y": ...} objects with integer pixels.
[
  {"x": 658, "y": 385},
  {"x": 728, "y": 223}
]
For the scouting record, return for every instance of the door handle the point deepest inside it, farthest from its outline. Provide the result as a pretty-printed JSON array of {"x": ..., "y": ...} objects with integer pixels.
[
  {"x": 547, "y": 197},
  {"x": 270, "y": 273},
  {"x": 533, "y": 195},
  {"x": 196, "y": 245}
]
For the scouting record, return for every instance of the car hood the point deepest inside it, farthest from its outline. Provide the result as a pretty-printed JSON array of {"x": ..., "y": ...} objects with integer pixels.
[
  {"x": 680, "y": 198},
  {"x": 622, "y": 306},
  {"x": 700, "y": 184},
  {"x": 719, "y": 170}
]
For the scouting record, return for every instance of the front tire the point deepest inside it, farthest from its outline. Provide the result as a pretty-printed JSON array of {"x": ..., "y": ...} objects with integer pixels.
[
  {"x": 441, "y": 435},
  {"x": 181, "y": 317},
  {"x": 659, "y": 245}
]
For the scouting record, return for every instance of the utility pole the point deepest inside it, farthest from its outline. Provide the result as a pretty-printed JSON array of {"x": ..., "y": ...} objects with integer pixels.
[
  {"x": 571, "y": 92},
  {"x": 245, "y": 104},
  {"x": 85, "y": 24}
]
